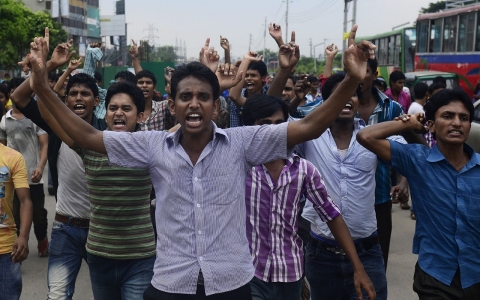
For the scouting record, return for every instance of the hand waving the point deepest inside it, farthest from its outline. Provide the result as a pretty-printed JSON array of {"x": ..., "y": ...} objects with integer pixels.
[
  {"x": 224, "y": 43},
  {"x": 289, "y": 54},
  {"x": 275, "y": 31},
  {"x": 62, "y": 54},
  {"x": 252, "y": 56},
  {"x": 134, "y": 50},
  {"x": 331, "y": 50},
  {"x": 74, "y": 64},
  {"x": 227, "y": 76}
]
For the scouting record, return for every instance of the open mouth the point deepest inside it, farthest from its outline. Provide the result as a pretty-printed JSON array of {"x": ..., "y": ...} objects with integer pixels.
[
  {"x": 194, "y": 120},
  {"x": 145, "y": 92},
  {"x": 455, "y": 132},
  {"x": 250, "y": 86},
  {"x": 348, "y": 107},
  {"x": 119, "y": 124},
  {"x": 79, "y": 109}
]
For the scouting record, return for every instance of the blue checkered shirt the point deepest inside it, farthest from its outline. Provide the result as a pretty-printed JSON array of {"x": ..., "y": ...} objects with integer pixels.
[{"x": 92, "y": 56}]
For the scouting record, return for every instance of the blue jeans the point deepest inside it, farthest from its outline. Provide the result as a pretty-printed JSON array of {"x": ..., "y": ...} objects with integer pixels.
[
  {"x": 331, "y": 275},
  {"x": 119, "y": 278},
  {"x": 262, "y": 290},
  {"x": 67, "y": 249},
  {"x": 10, "y": 278}
]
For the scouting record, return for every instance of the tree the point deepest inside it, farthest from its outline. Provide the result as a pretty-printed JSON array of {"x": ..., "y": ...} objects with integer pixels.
[
  {"x": 163, "y": 53},
  {"x": 433, "y": 7},
  {"x": 18, "y": 26}
]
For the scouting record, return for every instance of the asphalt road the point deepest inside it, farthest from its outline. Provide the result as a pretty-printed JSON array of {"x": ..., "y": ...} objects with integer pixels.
[{"x": 399, "y": 273}]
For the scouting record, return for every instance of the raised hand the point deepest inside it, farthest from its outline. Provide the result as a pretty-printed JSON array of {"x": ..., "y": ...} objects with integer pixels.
[
  {"x": 168, "y": 78},
  {"x": 209, "y": 56},
  {"x": 289, "y": 54},
  {"x": 252, "y": 56},
  {"x": 134, "y": 50},
  {"x": 331, "y": 50},
  {"x": 224, "y": 43},
  {"x": 61, "y": 55},
  {"x": 228, "y": 76},
  {"x": 356, "y": 56},
  {"x": 38, "y": 56},
  {"x": 275, "y": 31},
  {"x": 301, "y": 88},
  {"x": 74, "y": 64},
  {"x": 415, "y": 121}
]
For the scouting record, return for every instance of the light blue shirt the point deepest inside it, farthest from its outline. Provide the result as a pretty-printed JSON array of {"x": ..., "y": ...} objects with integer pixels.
[
  {"x": 350, "y": 183},
  {"x": 93, "y": 55},
  {"x": 447, "y": 207},
  {"x": 200, "y": 212}
]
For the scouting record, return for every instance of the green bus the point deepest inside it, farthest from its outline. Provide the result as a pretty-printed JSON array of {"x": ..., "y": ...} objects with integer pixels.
[{"x": 395, "y": 50}]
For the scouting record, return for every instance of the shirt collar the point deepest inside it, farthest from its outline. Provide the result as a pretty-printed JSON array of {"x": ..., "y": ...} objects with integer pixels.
[
  {"x": 436, "y": 156},
  {"x": 174, "y": 137},
  {"x": 9, "y": 114}
]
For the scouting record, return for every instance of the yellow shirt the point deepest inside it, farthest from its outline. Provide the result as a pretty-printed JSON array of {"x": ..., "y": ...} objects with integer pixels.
[
  {"x": 8, "y": 105},
  {"x": 13, "y": 175}
]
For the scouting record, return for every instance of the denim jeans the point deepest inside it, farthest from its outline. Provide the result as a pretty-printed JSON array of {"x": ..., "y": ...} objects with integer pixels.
[
  {"x": 331, "y": 275},
  {"x": 242, "y": 293},
  {"x": 262, "y": 290},
  {"x": 10, "y": 278},
  {"x": 119, "y": 278},
  {"x": 67, "y": 249}
]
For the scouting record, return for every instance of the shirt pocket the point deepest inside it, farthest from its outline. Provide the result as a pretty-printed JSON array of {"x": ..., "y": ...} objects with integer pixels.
[
  {"x": 365, "y": 161},
  {"x": 223, "y": 187}
]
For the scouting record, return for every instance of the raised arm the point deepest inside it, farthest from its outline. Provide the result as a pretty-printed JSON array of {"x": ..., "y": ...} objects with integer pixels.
[
  {"x": 82, "y": 133},
  {"x": 133, "y": 51},
  {"x": 61, "y": 55},
  {"x": 236, "y": 91},
  {"x": 374, "y": 137},
  {"x": 228, "y": 76},
  {"x": 72, "y": 66},
  {"x": 315, "y": 123},
  {"x": 225, "y": 44},
  {"x": 288, "y": 56},
  {"x": 93, "y": 55},
  {"x": 276, "y": 33},
  {"x": 331, "y": 51},
  {"x": 301, "y": 89}
]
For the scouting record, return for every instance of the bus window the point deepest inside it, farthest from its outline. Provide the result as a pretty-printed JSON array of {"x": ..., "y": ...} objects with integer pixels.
[
  {"x": 391, "y": 50},
  {"x": 376, "y": 43},
  {"x": 450, "y": 34},
  {"x": 382, "y": 60},
  {"x": 466, "y": 28},
  {"x": 422, "y": 36},
  {"x": 477, "y": 43},
  {"x": 435, "y": 35},
  {"x": 409, "y": 49},
  {"x": 398, "y": 49}
]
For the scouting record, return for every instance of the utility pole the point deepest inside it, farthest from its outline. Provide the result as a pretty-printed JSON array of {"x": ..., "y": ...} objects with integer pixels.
[
  {"x": 310, "y": 47},
  {"x": 354, "y": 17},
  {"x": 286, "y": 23},
  {"x": 250, "y": 43},
  {"x": 345, "y": 15},
  {"x": 264, "y": 40}
]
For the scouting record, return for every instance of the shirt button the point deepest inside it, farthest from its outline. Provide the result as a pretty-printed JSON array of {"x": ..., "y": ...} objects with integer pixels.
[
  {"x": 201, "y": 258},
  {"x": 196, "y": 178},
  {"x": 199, "y": 232},
  {"x": 198, "y": 205}
]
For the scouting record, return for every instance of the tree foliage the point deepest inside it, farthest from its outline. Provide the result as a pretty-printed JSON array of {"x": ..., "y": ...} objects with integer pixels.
[
  {"x": 433, "y": 7},
  {"x": 18, "y": 26}
]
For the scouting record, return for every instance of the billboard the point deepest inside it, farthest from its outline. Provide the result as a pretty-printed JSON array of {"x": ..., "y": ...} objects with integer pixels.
[
  {"x": 93, "y": 22},
  {"x": 113, "y": 25}
]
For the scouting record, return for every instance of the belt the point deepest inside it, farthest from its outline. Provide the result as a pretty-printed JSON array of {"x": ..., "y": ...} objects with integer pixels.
[
  {"x": 81, "y": 223},
  {"x": 365, "y": 244}
]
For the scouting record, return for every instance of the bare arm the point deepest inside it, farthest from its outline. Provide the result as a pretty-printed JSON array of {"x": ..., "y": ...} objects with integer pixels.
[
  {"x": 374, "y": 137},
  {"x": 53, "y": 124},
  {"x": 331, "y": 52},
  {"x": 79, "y": 131},
  {"x": 133, "y": 51},
  {"x": 225, "y": 44},
  {"x": 316, "y": 122},
  {"x": 236, "y": 91},
  {"x": 38, "y": 172},
  {"x": 301, "y": 89},
  {"x": 72, "y": 66},
  {"x": 20, "y": 247}
]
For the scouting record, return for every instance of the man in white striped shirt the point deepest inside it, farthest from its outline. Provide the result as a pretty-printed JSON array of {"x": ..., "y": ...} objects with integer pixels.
[{"x": 202, "y": 248}]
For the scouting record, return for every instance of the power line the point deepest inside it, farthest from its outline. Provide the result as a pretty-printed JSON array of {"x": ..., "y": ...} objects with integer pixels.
[
  {"x": 314, "y": 16},
  {"x": 314, "y": 13}
]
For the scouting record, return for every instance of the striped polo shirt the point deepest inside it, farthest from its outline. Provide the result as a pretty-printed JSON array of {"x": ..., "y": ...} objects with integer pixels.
[{"x": 120, "y": 224}]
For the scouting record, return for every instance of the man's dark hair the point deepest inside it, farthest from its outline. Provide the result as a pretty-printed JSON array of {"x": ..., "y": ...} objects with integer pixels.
[
  {"x": 312, "y": 79},
  {"x": 59, "y": 74},
  {"x": 373, "y": 64},
  {"x": 396, "y": 76},
  {"x": 294, "y": 79},
  {"x": 85, "y": 79},
  {"x": 444, "y": 97},
  {"x": 126, "y": 76},
  {"x": 435, "y": 86},
  {"x": 440, "y": 79},
  {"x": 125, "y": 87},
  {"x": 262, "y": 106},
  {"x": 4, "y": 90},
  {"x": 420, "y": 90},
  {"x": 148, "y": 74},
  {"x": 52, "y": 76},
  {"x": 199, "y": 71},
  {"x": 331, "y": 82},
  {"x": 15, "y": 82},
  {"x": 97, "y": 76},
  {"x": 259, "y": 66}
]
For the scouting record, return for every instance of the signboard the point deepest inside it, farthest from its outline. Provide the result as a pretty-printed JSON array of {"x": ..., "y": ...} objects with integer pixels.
[
  {"x": 64, "y": 8},
  {"x": 93, "y": 22},
  {"x": 55, "y": 9},
  {"x": 113, "y": 25}
]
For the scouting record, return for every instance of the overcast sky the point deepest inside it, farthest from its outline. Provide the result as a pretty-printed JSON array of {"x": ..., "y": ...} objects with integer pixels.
[{"x": 193, "y": 21}]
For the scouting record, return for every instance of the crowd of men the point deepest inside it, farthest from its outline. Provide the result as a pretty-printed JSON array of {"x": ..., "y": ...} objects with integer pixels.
[{"x": 234, "y": 186}]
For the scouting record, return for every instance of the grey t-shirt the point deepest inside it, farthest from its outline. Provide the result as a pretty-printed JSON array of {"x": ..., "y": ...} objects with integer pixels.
[{"x": 22, "y": 135}]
